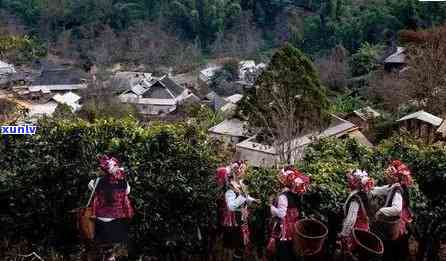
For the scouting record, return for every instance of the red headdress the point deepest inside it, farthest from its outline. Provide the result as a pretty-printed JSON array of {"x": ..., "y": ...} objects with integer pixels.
[
  {"x": 399, "y": 171},
  {"x": 110, "y": 165},
  {"x": 293, "y": 179},
  {"x": 222, "y": 176},
  {"x": 360, "y": 180},
  {"x": 238, "y": 167}
]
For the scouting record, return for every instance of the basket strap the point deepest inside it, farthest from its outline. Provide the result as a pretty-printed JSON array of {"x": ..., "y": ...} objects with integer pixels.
[{"x": 92, "y": 192}]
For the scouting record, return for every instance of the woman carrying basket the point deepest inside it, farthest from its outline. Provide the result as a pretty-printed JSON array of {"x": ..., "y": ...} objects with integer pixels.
[
  {"x": 356, "y": 209},
  {"x": 285, "y": 213},
  {"x": 397, "y": 207},
  {"x": 111, "y": 206}
]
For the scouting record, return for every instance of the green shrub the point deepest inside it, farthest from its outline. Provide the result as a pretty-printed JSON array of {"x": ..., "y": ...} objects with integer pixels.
[
  {"x": 327, "y": 162},
  {"x": 171, "y": 170},
  {"x": 366, "y": 59}
]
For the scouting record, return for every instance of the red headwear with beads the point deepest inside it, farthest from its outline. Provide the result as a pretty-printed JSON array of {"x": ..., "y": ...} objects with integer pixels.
[
  {"x": 399, "y": 171},
  {"x": 293, "y": 179},
  {"x": 360, "y": 180},
  {"x": 222, "y": 176},
  {"x": 110, "y": 165},
  {"x": 238, "y": 168}
]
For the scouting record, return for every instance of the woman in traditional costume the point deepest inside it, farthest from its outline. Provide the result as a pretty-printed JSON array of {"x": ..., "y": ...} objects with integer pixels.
[
  {"x": 111, "y": 206},
  {"x": 356, "y": 209},
  {"x": 285, "y": 213},
  {"x": 397, "y": 207},
  {"x": 233, "y": 211}
]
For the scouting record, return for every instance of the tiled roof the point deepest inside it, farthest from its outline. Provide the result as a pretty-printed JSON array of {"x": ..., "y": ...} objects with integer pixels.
[
  {"x": 231, "y": 127},
  {"x": 397, "y": 57},
  {"x": 423, "y": 116}
]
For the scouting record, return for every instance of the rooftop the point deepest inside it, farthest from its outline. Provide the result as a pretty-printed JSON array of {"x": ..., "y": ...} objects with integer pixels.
[
  {"x": 149, "y": 101},
  {"x": 234, "y": 98},
  {"x": 367, "y": 113},
  {"x": 152, "y": 87},
  {"x": 42, "y": 109},
  {"x": 6, "y": 68},
  {"x": 58, "y": 75},
  {"x": 71, "y": 99},
  {"x": 338, "y": 128},
  {"x": 442, "y": 128},
  {"x": 68, "y": 97},
  {"x": 397, "y": 57},
  {"x": 206, "y": 74},
  {"x": 231, "y": 127},
  {"x": 56, "y": 87},
  {"x": 423, "y": 116}
]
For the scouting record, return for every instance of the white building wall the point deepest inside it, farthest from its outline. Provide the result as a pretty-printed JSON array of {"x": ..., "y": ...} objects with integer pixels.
[
  {"x": 150, "y": 109},
  {"x": 227, "y": 139},
  {"x": 256, "y": 158}
]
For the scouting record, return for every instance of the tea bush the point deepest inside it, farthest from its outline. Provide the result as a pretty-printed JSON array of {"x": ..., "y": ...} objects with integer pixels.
[
  {"x": 171, "y": 170},
  {"x": 327, "y": 162}
]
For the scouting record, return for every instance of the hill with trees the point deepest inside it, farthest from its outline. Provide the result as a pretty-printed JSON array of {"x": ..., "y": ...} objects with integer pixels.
[{"x": 229, "y": 27}]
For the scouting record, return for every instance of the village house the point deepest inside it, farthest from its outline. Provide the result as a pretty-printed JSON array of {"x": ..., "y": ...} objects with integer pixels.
[
  {"x": 421, "y": 125},
  {"x": 206, "y": 74},
  {"x": 48, "y": 108},
  {"x": 156, "y": 95},
  {"x": 55, "y": 79},
  {"x": 248, "y": 72},
  {"x": 224, "y": 105},
  {"x": 258, "y": 154},
  {"x": 6, "y": 71},
  {"x": 230, "y": 106},
  {"x": 214, "y": 101},
  {"x": 230, "y": 131},
  {"x": 264, "y": 155},
  {"x": 396, "y": 61},
  {"x": 363, "y": 118}
]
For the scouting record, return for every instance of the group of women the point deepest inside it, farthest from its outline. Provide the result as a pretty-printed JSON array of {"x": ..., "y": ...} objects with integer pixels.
[
  {"x": 234, "y": 215},
  {"x": 112, "y": 209}
]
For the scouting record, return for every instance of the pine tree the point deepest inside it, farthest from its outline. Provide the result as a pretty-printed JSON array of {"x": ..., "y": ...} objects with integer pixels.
[{"x": 287, "y": 102}]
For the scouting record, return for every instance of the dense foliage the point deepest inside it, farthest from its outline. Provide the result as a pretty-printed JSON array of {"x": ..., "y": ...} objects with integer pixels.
[
  {"x": 169, "y": 164},
  {"x": 312, "y": 25},
  {"x": 366, "y": 59},
  {"x": 346, "y": 104},
  {"x": 351, "y": 23},
  {"x": 170, "y": 167},
  {"x": 327, "y": 162},
  {"x": 20, "y": 49},
  {"x": 289, "y": 89}
]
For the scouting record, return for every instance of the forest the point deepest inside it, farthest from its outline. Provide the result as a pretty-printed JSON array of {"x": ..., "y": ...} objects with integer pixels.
[{"x": 240, "y": 28}]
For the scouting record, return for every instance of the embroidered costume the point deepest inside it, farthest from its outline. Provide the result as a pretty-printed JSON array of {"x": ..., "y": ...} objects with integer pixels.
[
  {"x": 355, "y": 209},
  {"x": 285, "y": 213},
  {"x": 111, "y": 205},
  {"x": 233, "y": 211},
  {"x": 397, "y": 206}
]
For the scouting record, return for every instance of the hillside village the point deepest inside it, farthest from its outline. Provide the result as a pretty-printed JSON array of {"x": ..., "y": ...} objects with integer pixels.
[
  {"x": 222, "y": 130},
  {"x": 41, "y": 90}
]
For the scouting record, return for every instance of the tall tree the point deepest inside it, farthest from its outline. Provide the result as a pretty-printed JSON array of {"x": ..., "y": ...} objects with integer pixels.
[
  {"x": 287, "y": 102},
  {"x": 427, "y": 69}
]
